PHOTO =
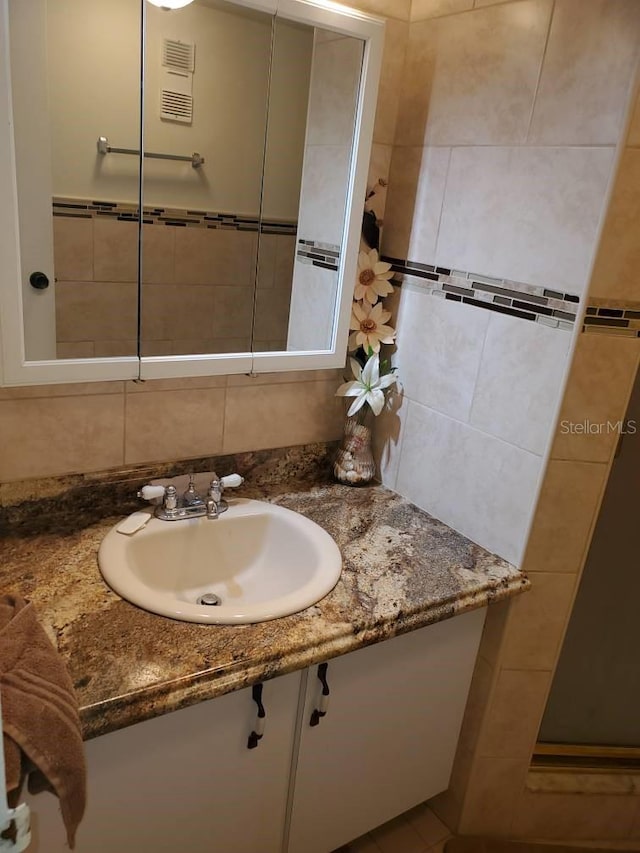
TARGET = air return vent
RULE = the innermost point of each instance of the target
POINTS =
(178, 55)
(176, 81)
(176, 106)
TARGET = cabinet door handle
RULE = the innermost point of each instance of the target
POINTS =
(258, 729)
(323, 704)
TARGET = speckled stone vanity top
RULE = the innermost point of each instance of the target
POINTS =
(402, 570)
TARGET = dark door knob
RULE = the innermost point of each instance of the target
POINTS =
(39, 280)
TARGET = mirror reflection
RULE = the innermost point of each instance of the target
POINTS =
(248, 125)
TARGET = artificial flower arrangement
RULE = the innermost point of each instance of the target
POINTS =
(372, 380)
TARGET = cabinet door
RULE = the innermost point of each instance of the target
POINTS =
(186, 781)
(389, 736)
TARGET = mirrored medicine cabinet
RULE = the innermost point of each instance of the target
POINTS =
(182, 189)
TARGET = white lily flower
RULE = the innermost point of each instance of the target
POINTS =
(368, 386)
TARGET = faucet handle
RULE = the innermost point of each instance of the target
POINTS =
(149, 493)
(231, 481)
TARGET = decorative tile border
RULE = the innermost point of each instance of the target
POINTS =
(319, 254)
(552, 308)
(622, 318)
(86, 209)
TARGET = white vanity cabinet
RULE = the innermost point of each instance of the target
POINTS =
(389, 736)
(187, 780)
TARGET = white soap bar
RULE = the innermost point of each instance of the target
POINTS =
(232, 481)
(136, 521)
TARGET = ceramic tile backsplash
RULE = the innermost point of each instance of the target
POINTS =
(395, 42)
(486, 494)
(536, 622)
(55, 435)
(92, 426)
(416, 191)
(509, 202)
(470, 79)
(588, 66)
(280, 415)
(616, 270)
(450, 340)
(568, 503)
(600, 382)
(512, 401)
(174, 424)
(421, 9)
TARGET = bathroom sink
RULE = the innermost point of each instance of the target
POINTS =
(257, 561)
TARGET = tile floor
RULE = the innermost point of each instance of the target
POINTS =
(415, 831)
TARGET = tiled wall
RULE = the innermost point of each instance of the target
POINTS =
(509, 118)
(77, 428)
(492, 791)
(335, 75)
(197, 281)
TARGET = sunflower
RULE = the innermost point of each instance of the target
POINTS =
(368, 327)
(373, 277)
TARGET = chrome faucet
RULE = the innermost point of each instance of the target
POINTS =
(191, 505)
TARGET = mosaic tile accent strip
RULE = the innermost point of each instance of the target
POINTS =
(622, 318)
(319, 254)
(553, 308)
(85, 209)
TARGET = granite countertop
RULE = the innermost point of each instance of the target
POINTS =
(402, 570)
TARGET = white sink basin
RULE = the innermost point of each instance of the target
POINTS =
(261, 560)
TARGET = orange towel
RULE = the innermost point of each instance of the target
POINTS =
(41, 727)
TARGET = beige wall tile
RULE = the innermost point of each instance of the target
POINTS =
(571, 817)
(449, 338)
(323, 193)
(602, 375)
(564, 189)
(215, 256)
(174, 424)
(115, 250)
(514, 713)
(272, 315)
(484, 676)
(615, 275)
(487, 495)
(177, 311)
(158, 253)
(280, 415)
(633, 139)
(390, 8)
(387, 439)
(422, 9)
(519, 378)
(398, 834)
(75, 389)
(537, 622)
(115, 349)
(428, 826)
(70, 434)
(395, 44)
(480, 3)
(567, 506)
(285, 258)
(90, 311)
(232, 312)
(583, 91)
(493, 632)
(183, 384)
(73, 248)
(285, 377)
(416, 192)
(267, 251)
(378, 179)
(494, 786)
(471, 78)
(334, 91)
(76, 349)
